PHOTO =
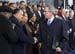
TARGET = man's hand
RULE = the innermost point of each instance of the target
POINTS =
(35, 40)
(13, 26)
(39, 45)
(58, 49)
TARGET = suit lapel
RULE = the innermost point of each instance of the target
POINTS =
(53, 22)
(73, 23)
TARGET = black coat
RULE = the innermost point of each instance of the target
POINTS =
(39, 18)
(20, 47)
(7, 36)
(37, 14)
(29, 12)
(53, 36)
(71, 23)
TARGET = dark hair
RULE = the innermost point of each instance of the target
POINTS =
(5, 2)
(22, 2)
(16, 10)
(5, 9)
(10, 4)
(38, 6)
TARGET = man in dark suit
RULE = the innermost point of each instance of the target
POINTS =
(20, 47)
(52, 34)
(38, 13)
(8, 36)
(29, 10)
(63, 13)
(71, 23)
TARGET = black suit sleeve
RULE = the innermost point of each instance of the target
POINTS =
(22, 37)
(7, 30)
(65, 37)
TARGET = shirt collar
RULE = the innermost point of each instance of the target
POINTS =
(63, 16)
(51, 19)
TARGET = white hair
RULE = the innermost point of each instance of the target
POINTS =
(52, 9)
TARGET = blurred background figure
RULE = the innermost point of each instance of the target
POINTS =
(71, 23)
(22, 5)
(67, 14)
(34, 25)
(1, 4)
(34, 7)
(12, 6)
(5, 3)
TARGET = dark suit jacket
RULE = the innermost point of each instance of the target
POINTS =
(37, 15)
(39, 18)
(71, 23)
(22, 38)
(8, 36)
(52, 36)
(29, 12)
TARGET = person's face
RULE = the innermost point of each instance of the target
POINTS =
(22, 5)
(47, 13)
(71, 13)
(44, 4)
(1, 4)
(35, 7)
(25, 18)
(14, 6)
(63, 11)
(40, 4)
(20, 15)
(39, 8)
(67, 14)
(34, 18)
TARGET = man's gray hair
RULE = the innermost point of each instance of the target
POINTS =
(71, 11)
(52, 9)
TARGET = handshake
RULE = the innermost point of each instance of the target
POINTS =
(36, 41)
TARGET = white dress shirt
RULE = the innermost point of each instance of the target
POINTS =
(50, 20)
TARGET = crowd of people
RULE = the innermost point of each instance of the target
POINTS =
(36, 29)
